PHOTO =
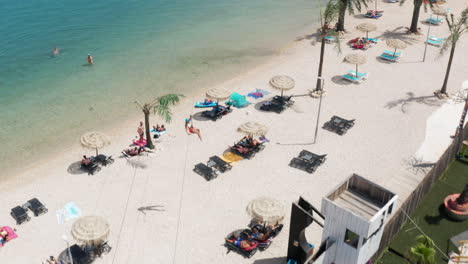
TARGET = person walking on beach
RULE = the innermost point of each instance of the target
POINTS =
(90, 59)
(141, 130)
(190, 129)
(56, 51)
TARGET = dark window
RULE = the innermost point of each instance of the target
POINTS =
(390, 208)
(351, 238)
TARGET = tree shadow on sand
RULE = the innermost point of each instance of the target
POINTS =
(418, 166)
(400, 33)
(411, 98)
(199, 117)
(75, 168)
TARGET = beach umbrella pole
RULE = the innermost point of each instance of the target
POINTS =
(427, 39)
(357, 74)
(394, 53)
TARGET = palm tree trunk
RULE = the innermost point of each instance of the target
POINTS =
(341, 15)
(415, 18)
(149, 142)
(449, 66)
(322, 55)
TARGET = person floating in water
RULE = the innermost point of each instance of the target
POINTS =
(90, 59)
(56, 51)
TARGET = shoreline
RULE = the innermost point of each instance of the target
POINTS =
(195, 94)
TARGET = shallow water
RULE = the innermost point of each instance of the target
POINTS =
(140, 48)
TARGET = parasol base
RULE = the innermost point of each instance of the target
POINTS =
(440, 95)
(318, 93)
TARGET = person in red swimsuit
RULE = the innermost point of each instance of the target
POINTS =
(191, 129)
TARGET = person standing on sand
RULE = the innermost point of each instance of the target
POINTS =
(141, 130)
(90, 59)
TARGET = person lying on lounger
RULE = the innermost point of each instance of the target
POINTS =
(251, 141)
(134, 151)
(261, 233)
(241, 243)
(86, 161)
(159, 128)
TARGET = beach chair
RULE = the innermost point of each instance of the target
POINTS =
(338, 125)
(372, 40)
(248, 253)
(219, 164)
(435, 41)
(237, 100)
(359, 74)
(36, 207)
(103, 159)
(393, 1)
(372, 14)
(389, 57)
(312, 157)
(92, 168)
(434, 21)
(20, 215)
(392, 53)
(79, 255)
(278, 104)
(217, 112)
(206, 104)
(244, 152)
(355, 79)
(205, 171)
(330, 39)
(304, 165)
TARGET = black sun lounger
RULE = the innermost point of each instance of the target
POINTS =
(311, 157)
(92, 168)
(338, 125)
(219, 164)
(244, 252)
(217, 112)
(205, 171)
(104, 160)
(79, 255)
(36, 207)
(304, 165)
(278, 104)
(20, 215)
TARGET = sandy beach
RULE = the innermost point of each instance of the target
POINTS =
(398, 122)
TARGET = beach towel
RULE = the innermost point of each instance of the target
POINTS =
(140, 142)
(158, 133)
(231, 158)
(258, 93)
(72, 211)
(11, 234)
(264, 139)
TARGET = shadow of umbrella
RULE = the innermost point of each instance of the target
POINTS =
(199, 117)
(338, 79)
(259, 104)
(75, 168)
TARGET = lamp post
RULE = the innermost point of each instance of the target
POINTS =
(65, 238)
(319, 107)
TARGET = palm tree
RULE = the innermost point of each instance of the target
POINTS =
(457, 29)
(330, 14)
(423, 252)
(350, 6)
(160, 106)
(415, 18)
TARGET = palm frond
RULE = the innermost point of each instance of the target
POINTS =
(162, 105)
(337, 45)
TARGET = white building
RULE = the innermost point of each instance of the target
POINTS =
(355, 215)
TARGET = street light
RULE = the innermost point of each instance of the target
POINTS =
(65, 238)
(319, 107)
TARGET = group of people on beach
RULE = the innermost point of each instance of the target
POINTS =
(90, 58)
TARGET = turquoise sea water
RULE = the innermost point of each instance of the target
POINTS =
(140, 47)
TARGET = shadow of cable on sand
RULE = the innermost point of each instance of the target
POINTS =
(429, 100)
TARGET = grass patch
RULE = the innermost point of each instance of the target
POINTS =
(430, 217)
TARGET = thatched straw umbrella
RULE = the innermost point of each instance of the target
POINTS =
(218, 93)
(366, 27)
(356, 59)
(94, 140)
(90, 230)
(396, 44)
(253, 129)
(282, 82)
(438, 11)
(266, 210)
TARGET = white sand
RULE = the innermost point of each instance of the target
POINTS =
(379, 147)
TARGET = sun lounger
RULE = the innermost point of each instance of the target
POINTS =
(217, 112)
(248, 253)
(79, 255)
(20, 215)
(219, 164)
(435, 41)
(434, 21)
(330, 39)
(91, 168)
(311, 157)
(393, 1)
(103, 159)
(206, 104)
(360, 74)
(372, 14)
(389, 57)
(278, 104)
(338, 125)
(355, 79)
(36, 207)
(392, 53)
(372, 40)
(301, 164)
(205, 171)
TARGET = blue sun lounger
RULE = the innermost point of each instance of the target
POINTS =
(434, 21)
(330, 39)
(389, 57)
(391, 53)
(435, 41)
(360, 74)
(355, 79)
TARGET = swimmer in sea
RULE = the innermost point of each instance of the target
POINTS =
(90, 59)
(56, 51)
